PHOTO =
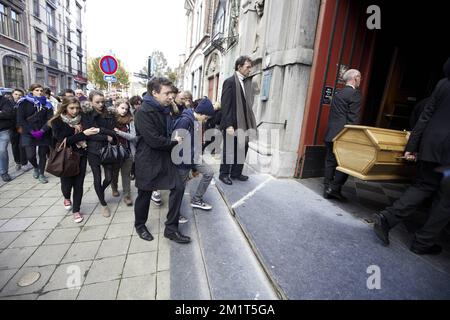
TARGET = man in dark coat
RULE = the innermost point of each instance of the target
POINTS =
(345, 109)
(6, 125)
(430, 144)
(237, 114)
(154, 167)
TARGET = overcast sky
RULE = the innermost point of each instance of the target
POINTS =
(132, 29)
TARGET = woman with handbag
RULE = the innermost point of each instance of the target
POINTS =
(95, 114)
(127, 138)
(67, 129)
(33, 112)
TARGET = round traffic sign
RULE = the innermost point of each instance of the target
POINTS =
(109, 65)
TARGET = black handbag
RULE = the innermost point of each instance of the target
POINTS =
(114, 153)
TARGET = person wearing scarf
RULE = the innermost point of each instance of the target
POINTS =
(33, 112)
(66, 124)
(154, 167)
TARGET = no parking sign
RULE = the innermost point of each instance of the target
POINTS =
(109, 65)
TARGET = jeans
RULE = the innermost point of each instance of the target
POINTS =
(19, 154)
(126, 177)
(4, 157)
(31, 156)
(207, 175)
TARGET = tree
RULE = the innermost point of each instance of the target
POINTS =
(160, 68)
(95, 75)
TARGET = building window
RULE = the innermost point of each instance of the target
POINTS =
(40, 76)
(36, 8)
(13, 73)
(68, 5)
(38, 42)
(51, 49)
(51, 17)
(80, 65)
(53, 82)
(79, 15)
(68, 30)
(79, 41)
(3, 20)
(69, 59)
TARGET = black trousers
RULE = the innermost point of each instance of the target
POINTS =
(230, 162)
(142, 206)
(427, 183)
(75, 183)
(20, 157)
(96, 164)
(333, 178)
(31, 156)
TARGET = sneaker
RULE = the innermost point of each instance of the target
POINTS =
(105, 212)
(182, 220)
(36, 173)
(201, 205)
(77, 217)
(67, 204)
(6, 177)
(43, 179)
(18, 166)
(156, 198)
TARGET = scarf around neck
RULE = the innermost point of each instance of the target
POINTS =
(72, 122)
(39, 102)
(164, 110)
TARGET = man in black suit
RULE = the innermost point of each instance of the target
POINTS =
(345, 109)
(154, 167)
(237, 118)
(430, 144)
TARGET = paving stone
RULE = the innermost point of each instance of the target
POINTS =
(30, 239)
(99, 291)
(6, 238)
(21, 297)
(34, 194)
(60, 236)
(163, 285)
(138, 288)
(8, 213)
(15, 258)
(2, 222)
(17, 224)
(68, 276)
(138, 245)
(91, 233)
(139, 264)
(12, 194)
(45, 223)
(45, 201)
(32, 212)
(67, 222)
(66, 294)
(48, 255)
(123, 217)
(13, 289)
(163, 260)
(97, 220)
(114, 247)
(119, 230)
(57, 210)
(5, 201)
(20, 202)
(5, 276)
(106, 269)
(82, 251)
(87, 208)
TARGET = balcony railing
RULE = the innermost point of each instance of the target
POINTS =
(53, 63)
(39, 58)
(79, 50)
(52, 31)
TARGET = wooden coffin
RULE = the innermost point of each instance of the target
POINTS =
(372, 154)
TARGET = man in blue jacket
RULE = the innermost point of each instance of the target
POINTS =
(189, 125)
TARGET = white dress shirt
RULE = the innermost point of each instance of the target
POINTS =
(241, 81)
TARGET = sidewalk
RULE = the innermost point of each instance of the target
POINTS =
(319, 249)
(109, 260)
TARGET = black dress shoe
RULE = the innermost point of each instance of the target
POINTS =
(144, 234)
(226, 180)
(333, 194)
(381, 228)
(434, 249)
(240, 178)
(177, 237)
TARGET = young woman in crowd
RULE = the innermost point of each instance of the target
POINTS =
(127, 137)
(33, 113)
(66, 124)
(97, 115)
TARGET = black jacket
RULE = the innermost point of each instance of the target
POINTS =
(228, 102)
(105, 122)
(431, 135)
(345, 109)
(7, 114)
(154, 167)
(30, 120)
(62, 130)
